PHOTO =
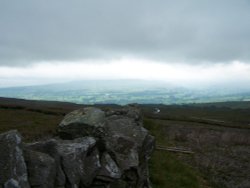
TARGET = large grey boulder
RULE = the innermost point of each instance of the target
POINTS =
(124, 144)
(131, 111)
(83, 122)
(120, 125)
(76, 163)
(125, 151)
(131, 144)
(50, 147)
(13, 171)
(41, 169)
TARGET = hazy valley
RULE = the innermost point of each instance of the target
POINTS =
(125, 92)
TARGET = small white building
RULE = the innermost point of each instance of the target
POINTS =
(157, 111)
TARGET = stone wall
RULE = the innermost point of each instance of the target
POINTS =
(94, 149)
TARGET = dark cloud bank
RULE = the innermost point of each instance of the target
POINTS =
(190, 31)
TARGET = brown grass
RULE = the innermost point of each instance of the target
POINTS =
(32, 125)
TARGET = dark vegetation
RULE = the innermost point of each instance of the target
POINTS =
(218, 136)
(217, 133)
(34, 119)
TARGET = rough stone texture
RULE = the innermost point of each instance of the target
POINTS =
(130, 111)
(50, 147)
(91, 166)
(11, 183)
(119, 125)
(109, 170)
(131, 144)
(74, 154)
(41, 169)
(124, 150)
(94, 149)
(83, 122)
(13, 171)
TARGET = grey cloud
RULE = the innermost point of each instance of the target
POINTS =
(191, 31)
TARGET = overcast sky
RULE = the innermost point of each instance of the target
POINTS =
(190, 40)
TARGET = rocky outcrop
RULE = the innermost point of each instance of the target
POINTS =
(95, 148)
(13, 170)
(41, 169)
(82, 122)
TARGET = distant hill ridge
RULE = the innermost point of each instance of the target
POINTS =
(125, 92)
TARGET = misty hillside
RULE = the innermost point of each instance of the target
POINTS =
(124, 92)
